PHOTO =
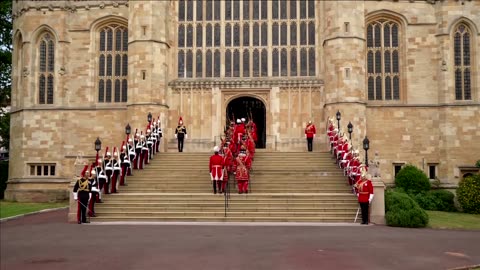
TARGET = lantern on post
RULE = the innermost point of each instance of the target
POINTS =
(128, 129)
(98, 145)
(149, 117)
(339, 116)
(366, 146)
(350, 130)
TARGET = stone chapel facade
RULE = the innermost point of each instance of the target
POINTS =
(405, 73)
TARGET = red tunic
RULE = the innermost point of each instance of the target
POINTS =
(364, 189)
(216, 167)
(310, 130)
(243, 163)
(228, 160)
(251, 147)
(239, 131)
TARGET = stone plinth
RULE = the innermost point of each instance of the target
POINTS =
(377, 208)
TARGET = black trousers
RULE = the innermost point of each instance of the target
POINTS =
(83, 199)
(214, 184)
(310, 144)
(364, 207)
(180, 144)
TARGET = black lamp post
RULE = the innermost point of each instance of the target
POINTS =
(98, 145)
(128, 129)
(339, 116)
(350, 129)
(366, 146)
(149, 117)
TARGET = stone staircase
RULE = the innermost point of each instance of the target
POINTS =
(285, 187)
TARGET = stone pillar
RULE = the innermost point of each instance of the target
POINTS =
(343, 39)
(73, 208)
(377, 208)
(148, 68)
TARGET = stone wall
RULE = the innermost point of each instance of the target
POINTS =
(427, 125)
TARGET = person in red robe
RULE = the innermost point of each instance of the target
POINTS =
(242, 173)
(216, 169)
(310, 132)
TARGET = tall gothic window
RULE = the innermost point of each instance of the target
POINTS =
(383, 63)
(249, 38)
(113, 64)
(463, 69)
(46, 77)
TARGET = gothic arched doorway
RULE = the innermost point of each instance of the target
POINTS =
(243, 107)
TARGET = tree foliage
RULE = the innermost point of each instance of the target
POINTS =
(5, 52)
(5, 70)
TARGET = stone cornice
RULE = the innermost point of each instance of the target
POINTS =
(21, 7)
(245, 83)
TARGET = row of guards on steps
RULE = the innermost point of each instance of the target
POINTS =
(106, 175)
(347, 158)
(234, 156)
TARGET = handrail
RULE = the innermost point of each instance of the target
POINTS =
(226, 194)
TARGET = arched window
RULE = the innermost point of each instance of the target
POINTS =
(228, 35)
(462, 64)
(246, 63)
(251, 35)
(113, 63)
(236, 63)
(216, 65)
(256, 63)
(275, 34)
(208, 64)
(46, 79)
(275, 63)
(199, 62)
(264, 70)
(189, 64)
(293, 62)
(228, 63)
(383, 64)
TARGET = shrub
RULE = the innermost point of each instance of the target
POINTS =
(403, 211)
(3, 177)
(477, 164)
(435, 200)
(468, 194)
(412, 180)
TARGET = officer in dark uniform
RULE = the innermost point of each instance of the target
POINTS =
(181, 134)
(81, 193)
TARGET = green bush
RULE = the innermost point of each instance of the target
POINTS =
(468, 194)
(477, 164)
(412, 180)
(402, 211)
(435, 200)
(3, 177)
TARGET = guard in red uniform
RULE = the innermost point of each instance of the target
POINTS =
(364, 190)
(216, 170)
(242, 173)
(310, 132)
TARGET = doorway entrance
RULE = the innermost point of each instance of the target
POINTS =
(243, 107)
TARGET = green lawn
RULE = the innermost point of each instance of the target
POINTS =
(447, 220)
(10, 209)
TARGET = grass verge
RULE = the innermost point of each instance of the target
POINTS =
(448, 220)
(10, 209)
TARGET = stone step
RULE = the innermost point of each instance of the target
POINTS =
(219, 199)
(256, 180)
(331, 219)
(252, 189)
(233, 205)
(232, 209)
(231, 213)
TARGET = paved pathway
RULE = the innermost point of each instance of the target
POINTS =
(46, 241)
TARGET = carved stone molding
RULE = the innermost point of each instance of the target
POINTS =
(62, 71)
(245, 83)
(25, 71)
(22, 7)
